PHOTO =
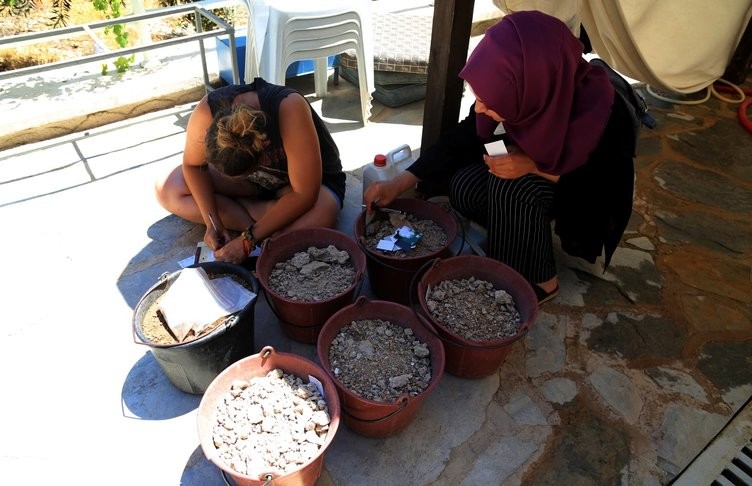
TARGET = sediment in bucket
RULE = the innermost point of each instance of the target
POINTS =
(191, 366)
(367, 417)
(468, 359)
(302, 321)
(390, 277)
(259, 365)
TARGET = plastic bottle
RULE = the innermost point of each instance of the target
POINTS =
(379, 170)
(400, 158)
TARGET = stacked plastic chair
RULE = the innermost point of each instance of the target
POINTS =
(297, 30)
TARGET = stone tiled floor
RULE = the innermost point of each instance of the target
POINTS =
(623, 378)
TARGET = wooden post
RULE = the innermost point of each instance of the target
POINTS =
(450, 38)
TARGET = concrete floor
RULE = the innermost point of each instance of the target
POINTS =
(623, 379)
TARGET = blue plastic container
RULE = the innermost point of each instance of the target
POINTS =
(224, 59)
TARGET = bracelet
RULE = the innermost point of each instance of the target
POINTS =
(248, 238)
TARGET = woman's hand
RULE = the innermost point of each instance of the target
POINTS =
(216, 239)
(232, 252)
(512, 165)
(384, 192)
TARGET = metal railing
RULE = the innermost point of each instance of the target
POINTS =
(198, 8)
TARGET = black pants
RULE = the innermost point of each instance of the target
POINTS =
(516, 214)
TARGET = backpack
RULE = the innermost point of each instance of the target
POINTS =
(636, 105)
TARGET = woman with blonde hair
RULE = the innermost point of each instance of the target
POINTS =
(258, 161)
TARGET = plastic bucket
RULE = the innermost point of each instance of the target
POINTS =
(367, 417)
(302, 321)
(391, 277)
(259, 365)
(192, 366)
(468, 359)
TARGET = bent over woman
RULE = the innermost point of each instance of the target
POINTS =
(258, 160)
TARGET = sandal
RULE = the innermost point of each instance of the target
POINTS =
(544, 296)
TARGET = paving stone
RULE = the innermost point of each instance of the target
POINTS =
(707, 314)
(642, 242)
(495, 464)
(722, 147)
(618, 391)
(677, 381)
(714, 275)
(524, 411)
(727, 364)
(435, 431)
(703, 187)
(737, 397)
(589, 451)
(638, 336)
(648, 147)
(559, 390)
(683, 434)
(546, 352)
(705, 230)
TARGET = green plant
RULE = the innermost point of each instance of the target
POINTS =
(122, 64)
(16, 7)
(111, 9)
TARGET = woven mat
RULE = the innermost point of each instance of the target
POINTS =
(401, 44)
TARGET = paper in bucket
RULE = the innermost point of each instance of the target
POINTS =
(194, 301)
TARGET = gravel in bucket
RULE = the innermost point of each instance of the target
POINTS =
(379, 360)
(314, 275)
(473, 309)
(434, 237)
(273, 422)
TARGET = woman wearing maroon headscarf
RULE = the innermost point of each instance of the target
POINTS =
(570, 142)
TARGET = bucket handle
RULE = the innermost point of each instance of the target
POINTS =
(268, 478)
(403, 399)
(418, 311)
(266, 353)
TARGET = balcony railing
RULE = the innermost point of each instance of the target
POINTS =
(200, 9)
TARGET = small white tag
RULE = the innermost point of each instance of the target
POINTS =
(500, 130)
(313, 380)
(496, 148)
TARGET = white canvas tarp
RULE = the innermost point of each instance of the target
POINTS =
(679, 45)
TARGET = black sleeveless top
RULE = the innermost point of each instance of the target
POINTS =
(272, 173)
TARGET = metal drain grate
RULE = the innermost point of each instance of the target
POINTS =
(739, 472)
(727, 459)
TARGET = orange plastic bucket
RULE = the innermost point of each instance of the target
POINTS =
(468, 359)
(302, 321)
(259, 365)
(367, 417)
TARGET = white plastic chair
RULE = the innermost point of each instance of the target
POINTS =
(296, 30)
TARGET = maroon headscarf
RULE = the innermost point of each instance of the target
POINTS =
(529, 69)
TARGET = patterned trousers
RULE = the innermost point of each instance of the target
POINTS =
(516, 214)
